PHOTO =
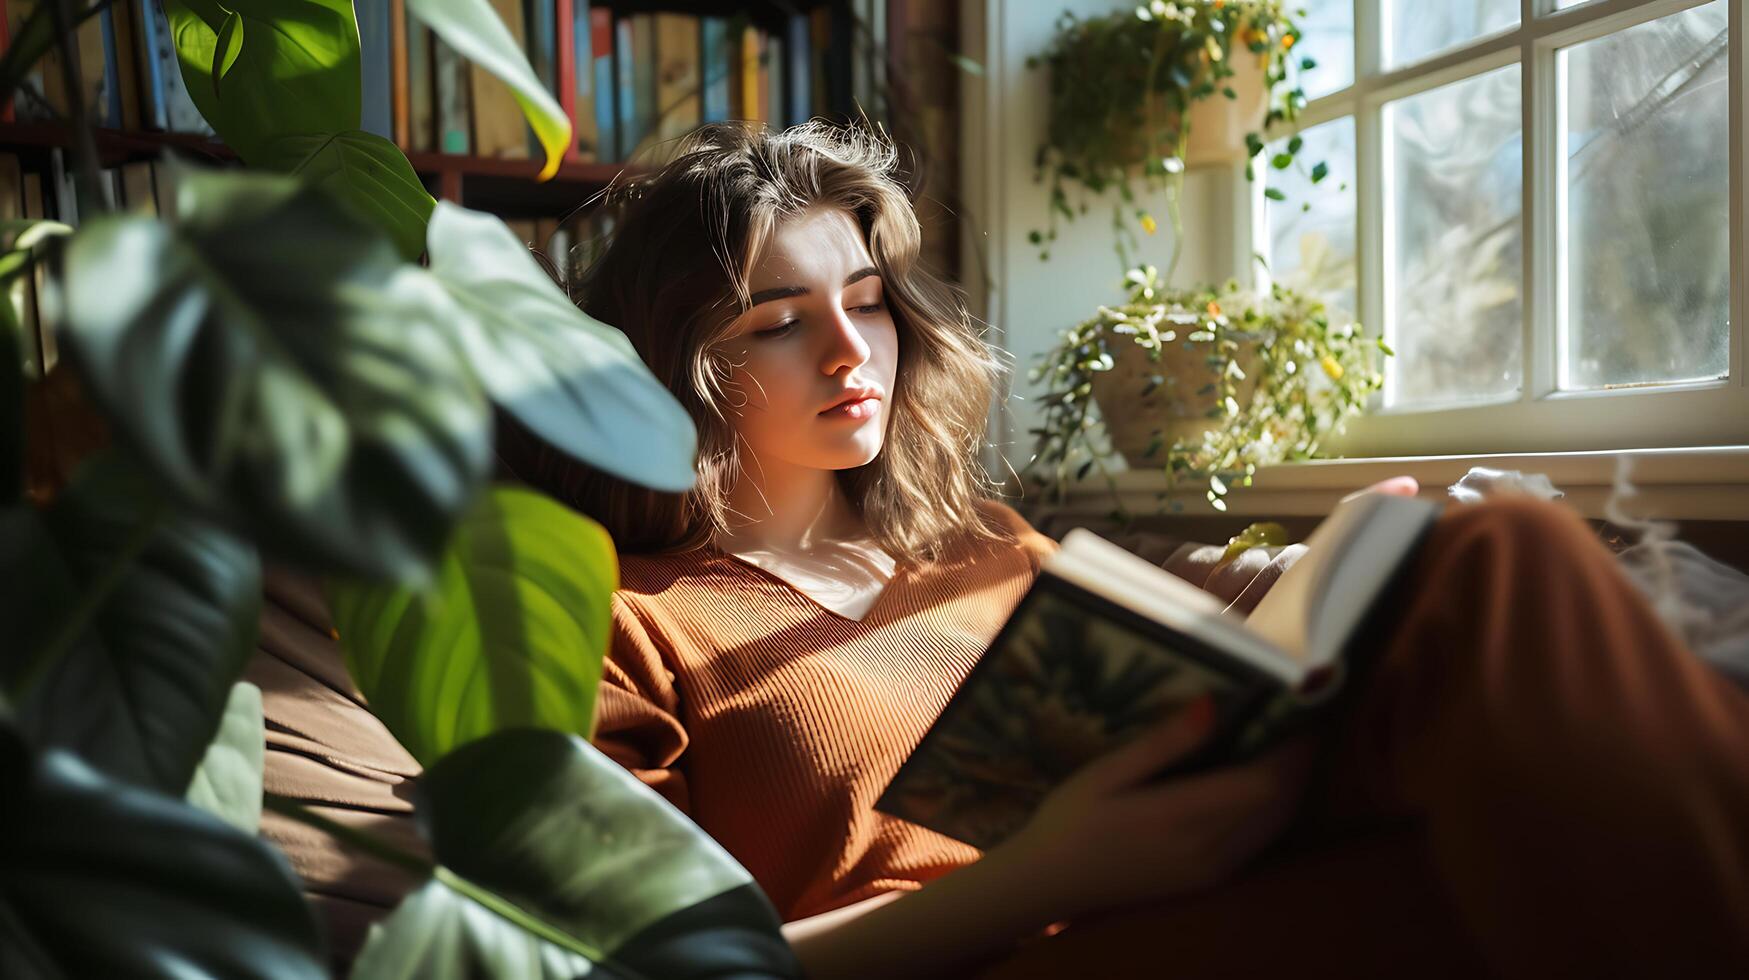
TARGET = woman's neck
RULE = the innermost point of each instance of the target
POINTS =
(793, 509)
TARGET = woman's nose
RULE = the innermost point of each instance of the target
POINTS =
(848, 349)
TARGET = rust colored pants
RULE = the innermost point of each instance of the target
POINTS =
(1534, 780)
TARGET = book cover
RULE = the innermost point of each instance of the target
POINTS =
(1069, 678)
(421, 89)
(798, 71)
(400, 97)
(601, 45)
(577, 73)
(374, 30)
(678, 57)
(624, 89)
(451, 86)
(499, 128)
(1106, 645)
(109, 101)
(541, 18)
(154, 114)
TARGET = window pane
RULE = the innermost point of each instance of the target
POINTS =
(1415, 29)
(1455, 272)
(1311, 233)
(1648, 228)
(1327, 37)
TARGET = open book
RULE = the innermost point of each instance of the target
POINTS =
(1106, 645)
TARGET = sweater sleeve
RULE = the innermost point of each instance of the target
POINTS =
(637, 710)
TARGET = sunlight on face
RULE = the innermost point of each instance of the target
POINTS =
(815, 355)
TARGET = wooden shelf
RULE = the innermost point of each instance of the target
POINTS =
(505, 187)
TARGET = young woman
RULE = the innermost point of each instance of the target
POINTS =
(1534, 779)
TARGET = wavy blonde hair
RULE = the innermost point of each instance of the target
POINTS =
(675, 276)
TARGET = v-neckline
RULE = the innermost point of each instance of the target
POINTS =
(880, 599)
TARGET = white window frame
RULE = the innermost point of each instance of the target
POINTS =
(1541, 418)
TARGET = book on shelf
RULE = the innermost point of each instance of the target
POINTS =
(452, 87)
(375, 54)
(678, 69)
(421, 88)
(1106, 645)
(601, 46)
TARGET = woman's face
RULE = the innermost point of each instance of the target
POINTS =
(815, 354)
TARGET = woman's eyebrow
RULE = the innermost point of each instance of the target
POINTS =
(785, 292)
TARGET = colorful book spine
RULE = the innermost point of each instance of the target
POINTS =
(714, 42)
(774, 79)
(751, 104)
(601, 47)
(819, 46)
(585, 131)
(541, 20)
(374, 61)
(450, 83)
(421, 90)
(798, 71)
(109, 112)
(643, 79)
(153, 109)
(678, 66)
(400, 99)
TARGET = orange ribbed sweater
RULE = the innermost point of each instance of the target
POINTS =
(775, 723)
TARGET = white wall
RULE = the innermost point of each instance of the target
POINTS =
(1026, 301)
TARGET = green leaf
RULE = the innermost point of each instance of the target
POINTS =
(289, 67)
(473, 29)
(318, 402)
(107, 880)
(227, 783)
(1274, 194)
(439, 933)
(572, 380)
(368, 174)
(1294, 144)
(1282, 161)
(141, 687)
(512, 634)
(1320, 171)
(226, 49)
(566, 834)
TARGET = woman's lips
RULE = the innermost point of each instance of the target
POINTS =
(861, 408)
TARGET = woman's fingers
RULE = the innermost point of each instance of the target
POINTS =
(1396, 486)
(1150, 752)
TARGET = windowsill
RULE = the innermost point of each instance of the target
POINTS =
(1697, 483)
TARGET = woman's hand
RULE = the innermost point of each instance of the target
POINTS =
(1112, 835)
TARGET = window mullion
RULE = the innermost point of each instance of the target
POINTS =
(1543, 252)
(1370, 179)
(1739, 163)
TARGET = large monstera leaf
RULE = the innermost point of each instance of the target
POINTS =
(543, 827)
(368, 174)
(102, 879)
(139, 690)
(512, 632)
(278, 365)
(262, 69)
(572, 380)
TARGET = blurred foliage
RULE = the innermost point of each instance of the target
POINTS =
(289, 383)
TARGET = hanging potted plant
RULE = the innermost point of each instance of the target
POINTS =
(1212, 384)
(1147, 93)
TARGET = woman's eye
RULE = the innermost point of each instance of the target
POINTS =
(871, 308)
(777, 331)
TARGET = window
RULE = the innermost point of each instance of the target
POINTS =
(1536, 202)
